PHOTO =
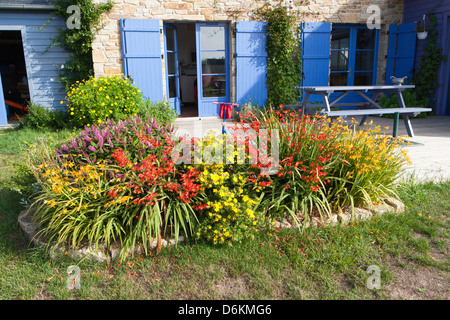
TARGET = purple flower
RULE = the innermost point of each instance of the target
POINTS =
(65, 148)
(74, 143)
(88, 139)
(110, 142)
(91, 148)
(100, 141)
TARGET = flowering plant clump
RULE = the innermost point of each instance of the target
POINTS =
(101, 142)
(226, 212)
(126, 181)
(97, 99)
(323, 165)
(130, 191)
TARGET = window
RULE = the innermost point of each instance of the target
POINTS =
(213, 66)
(354, 55)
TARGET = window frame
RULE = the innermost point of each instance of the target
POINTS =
(352, 50)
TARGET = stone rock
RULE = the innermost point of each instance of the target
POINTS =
(361, 214)
(30, 230)
(398, 206)
(283, 224)
(344, 218)
(331, 221)
(379, 209)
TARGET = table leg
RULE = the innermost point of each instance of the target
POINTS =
(326, 101)
(305, 103)
(396, 118)
(364, 118)
(406, 120)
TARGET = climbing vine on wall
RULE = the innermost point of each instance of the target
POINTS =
(426, 78)
(78, 36)
(284, 57)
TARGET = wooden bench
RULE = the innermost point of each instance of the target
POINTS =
(372, 112)
(369, 107)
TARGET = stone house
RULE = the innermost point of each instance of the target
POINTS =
(235, 48)
(197, 53)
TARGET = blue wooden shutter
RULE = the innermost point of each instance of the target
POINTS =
(251, 62)
(401, 51)
(316, 38)
(3, 117)
(141, 52)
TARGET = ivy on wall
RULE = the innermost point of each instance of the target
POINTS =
(426, 78)
(284, 56)
(78, 36)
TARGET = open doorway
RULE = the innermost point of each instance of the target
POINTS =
(181, 68)
(188, 69)
(14, 82)
(197, 67)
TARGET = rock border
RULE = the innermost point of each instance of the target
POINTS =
(102, 253)
(347, 216)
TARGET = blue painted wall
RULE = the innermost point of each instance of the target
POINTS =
(43, 63)
(413, 11)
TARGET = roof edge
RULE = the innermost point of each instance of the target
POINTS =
(28, 6)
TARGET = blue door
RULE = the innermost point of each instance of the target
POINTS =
(172, 69)
(251, 62)
(401, 51)
(3, 118)
(141, 52)
(213, 78)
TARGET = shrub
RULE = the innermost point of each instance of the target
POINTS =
(225, 206)
(40, 117)
(110, 96)
(160, 111)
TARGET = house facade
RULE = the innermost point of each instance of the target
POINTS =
(198, 53)
(195, 53)
(29, 67)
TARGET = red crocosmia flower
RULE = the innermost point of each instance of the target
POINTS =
(121, 158)
(315, 188)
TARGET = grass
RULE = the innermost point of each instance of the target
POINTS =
(322, 263)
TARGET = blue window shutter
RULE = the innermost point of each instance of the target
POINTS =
(251, 62)
(3, 117)
(141, 53)
(316, 38)
(401, 51)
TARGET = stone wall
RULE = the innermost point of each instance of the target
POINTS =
(107, 52)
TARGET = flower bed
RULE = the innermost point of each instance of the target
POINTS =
(129, 182)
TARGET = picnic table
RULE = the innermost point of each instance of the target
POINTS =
(366, 108)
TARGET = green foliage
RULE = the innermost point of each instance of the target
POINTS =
(40, 117)
(283, 55)
(411, 98)
(78, 42)
(110, 96)
(426, 79)
(161, 111)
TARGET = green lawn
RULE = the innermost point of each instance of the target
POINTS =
(411, 250)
